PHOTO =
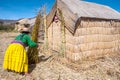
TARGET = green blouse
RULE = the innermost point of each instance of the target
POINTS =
(25, 38)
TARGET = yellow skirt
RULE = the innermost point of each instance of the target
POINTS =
(15, 58)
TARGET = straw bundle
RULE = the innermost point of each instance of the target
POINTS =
(97, 30)
(91, 53)
(46, 31)
(33, 52)
(62, 26)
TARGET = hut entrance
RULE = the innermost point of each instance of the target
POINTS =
(54, 36)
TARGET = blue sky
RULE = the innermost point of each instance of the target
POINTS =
(16, 9)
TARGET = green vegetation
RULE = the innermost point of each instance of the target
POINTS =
(7, 27)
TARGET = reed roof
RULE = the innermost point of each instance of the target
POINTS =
(73, 10)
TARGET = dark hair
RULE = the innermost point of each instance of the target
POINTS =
(17, 23)
(26, 32)
(27, 25)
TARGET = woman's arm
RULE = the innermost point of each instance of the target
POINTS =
(30, 42)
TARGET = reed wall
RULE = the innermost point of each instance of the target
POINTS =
(93, 39)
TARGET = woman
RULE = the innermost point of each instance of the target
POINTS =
(16, 58)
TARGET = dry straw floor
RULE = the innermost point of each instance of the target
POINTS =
(56, 68)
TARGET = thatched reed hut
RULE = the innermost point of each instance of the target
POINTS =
(83, 29)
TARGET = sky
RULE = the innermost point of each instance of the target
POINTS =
(16, 9)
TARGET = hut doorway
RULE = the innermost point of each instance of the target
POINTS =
(54, 38)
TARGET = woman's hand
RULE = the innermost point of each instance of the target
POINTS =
(38, 47)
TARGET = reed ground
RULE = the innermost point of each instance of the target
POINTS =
(56, 68)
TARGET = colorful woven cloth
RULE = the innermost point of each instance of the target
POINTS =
(15, 58)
